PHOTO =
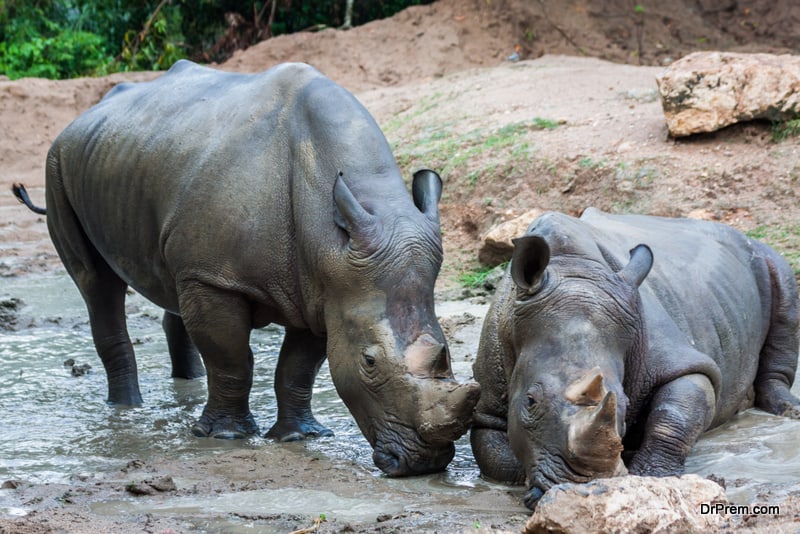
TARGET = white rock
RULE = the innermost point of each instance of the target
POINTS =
(630, 504)
(706, 91)
(496, 246)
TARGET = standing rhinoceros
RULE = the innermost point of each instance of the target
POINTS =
(236, 200)
(588, 352)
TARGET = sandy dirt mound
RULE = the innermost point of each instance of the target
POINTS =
(552, 131)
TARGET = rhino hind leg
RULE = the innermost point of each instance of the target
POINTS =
(679, 412)
(299, 361)
(103, 292)
(219, 323)
(777, 363)
(186, 361)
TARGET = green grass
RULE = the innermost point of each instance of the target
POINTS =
(475, 277)
(783, 238)
(785, 129)
(472, 155)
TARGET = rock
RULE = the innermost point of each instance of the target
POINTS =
(152, 486)
(706, 91)
(629, 504)
(496, 247)
(9, 307)
(80, 370)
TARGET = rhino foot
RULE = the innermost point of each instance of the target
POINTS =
(297, 430)
(225, 427)
(793, 412)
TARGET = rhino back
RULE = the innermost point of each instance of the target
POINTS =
(218, 176)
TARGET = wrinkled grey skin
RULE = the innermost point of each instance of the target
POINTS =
(234, 201)
(588, 349)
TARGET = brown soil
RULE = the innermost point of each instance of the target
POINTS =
(575, 122)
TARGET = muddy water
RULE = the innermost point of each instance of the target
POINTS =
(55, 426)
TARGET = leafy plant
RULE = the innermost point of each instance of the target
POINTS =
(782, 130)
(68, 38)
(545, 124)
(475, 277)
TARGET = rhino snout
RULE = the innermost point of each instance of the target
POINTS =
(532, 497)
(401, 461)
(445, 413)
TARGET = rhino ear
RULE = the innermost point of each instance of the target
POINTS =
(349, 214)
(529, 261)
(639, 265)
(426, 188)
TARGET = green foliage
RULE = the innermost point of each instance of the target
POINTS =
(783, 130)
(783, 238)
(68, 38)
(545, 124)
(475, 277)
(31, 44)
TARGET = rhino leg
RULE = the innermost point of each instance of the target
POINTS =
(493, 453)
(219, 323)
(301, 357)
(104, 294)
(679, 412)
(778, 360)
(186, 361)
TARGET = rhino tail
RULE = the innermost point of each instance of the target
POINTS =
(22, 195)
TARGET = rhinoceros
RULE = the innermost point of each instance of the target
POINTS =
(233, 201)
(614, 341)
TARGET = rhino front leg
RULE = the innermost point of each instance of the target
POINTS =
(219, 322)
(492, 451)
(679, 412)
(186, 361)
(301, 356)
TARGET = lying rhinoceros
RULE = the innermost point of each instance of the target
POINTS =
(587, 352)
(236, 200)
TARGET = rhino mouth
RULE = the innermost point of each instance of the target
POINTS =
(543, 477)
(405, 454)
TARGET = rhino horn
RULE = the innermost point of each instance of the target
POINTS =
(445, 410)
(588, 390)
(350, 215)
(595, 446)
(428, 358)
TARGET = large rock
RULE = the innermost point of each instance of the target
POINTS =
(706, 91)
(630, 504)
(496, 247)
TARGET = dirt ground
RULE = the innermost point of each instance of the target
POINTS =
(519, 105)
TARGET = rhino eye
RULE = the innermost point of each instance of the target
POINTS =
(534, 395)
(368, 357)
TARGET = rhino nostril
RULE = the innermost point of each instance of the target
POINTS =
(441, 365)
(387, 462)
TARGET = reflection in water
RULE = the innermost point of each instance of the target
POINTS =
(54, 425)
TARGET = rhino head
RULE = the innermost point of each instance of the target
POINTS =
(387, 353)
(576, 321)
